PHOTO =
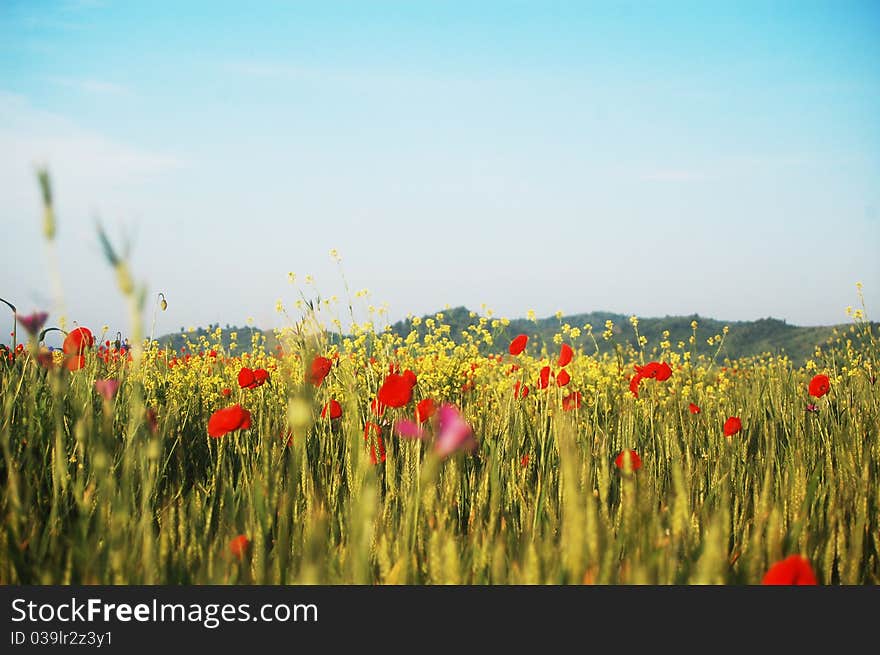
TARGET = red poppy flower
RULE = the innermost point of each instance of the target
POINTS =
(732, 426)
(565, 355)
(374, 457)
(562, 378)
(240, 546)
(228, 420)
(635, 461)
(693, 409)
(261, 375)
(518, 344)
(520, 391)
(395, 391)
(649, 370)
(371, 427)
(425, 409)
(572, 401)
(634, 384)
(664, 372)
(227, 392)
(524, 462)
(377, 408)
(320, 368)
(410, 377)
(544, 378)
(793, 570)
(381, 457)
(658, 370)
(819, 386)
(333, 408)
(247, 379)
(74, 363)
(77, 340)
(152, 420)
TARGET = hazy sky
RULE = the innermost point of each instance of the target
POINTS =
(648, 158)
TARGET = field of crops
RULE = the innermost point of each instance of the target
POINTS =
(379, 459)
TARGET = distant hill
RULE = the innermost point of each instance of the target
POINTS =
(244, 335)
(745, 337)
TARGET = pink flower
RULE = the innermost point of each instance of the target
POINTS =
(409, 429)
(33, 322)
(107, 388)
(454, 432)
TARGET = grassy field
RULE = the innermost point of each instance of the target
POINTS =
(126, 486)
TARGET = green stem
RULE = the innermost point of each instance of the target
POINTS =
(14, 322)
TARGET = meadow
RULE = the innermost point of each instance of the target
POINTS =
(377, 458)
(314, 481)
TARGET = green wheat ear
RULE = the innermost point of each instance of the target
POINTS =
(107, 247)
(48, 211)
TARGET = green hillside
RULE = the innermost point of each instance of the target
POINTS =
(745, 337)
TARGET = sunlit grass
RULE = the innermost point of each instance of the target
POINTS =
(91, 494)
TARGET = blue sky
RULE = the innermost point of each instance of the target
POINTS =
(648, 158)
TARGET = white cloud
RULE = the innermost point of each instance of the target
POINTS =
(675, 175)
(77, 5)
(268, 70)
(85, 159)
(272, 71)
(92, 86)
